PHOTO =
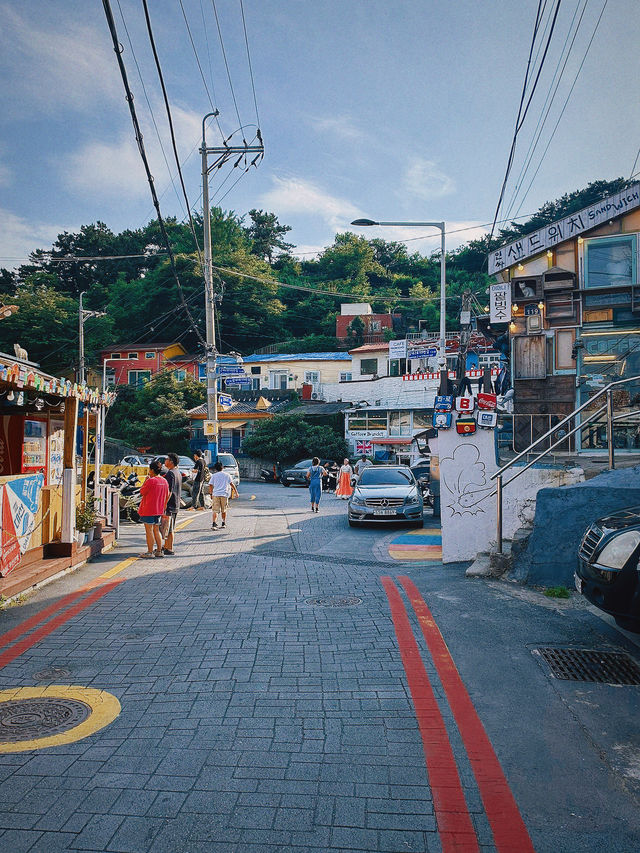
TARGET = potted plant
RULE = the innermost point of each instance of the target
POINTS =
(86, 519)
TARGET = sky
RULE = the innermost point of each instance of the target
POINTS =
(398, 111)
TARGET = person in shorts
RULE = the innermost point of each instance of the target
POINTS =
(197, 490)
(155, 493)
(220, 488)
(174, 480)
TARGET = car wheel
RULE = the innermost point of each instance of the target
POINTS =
(628, 624)
(286, 485)
(419, 523)
(352, 523)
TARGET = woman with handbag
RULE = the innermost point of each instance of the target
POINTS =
(155, 493)
(314, 476)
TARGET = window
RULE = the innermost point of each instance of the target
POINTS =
(256, 370)
(398, 366)
(565, 338)
(278, 380)
(115, 355)
(149, 355)
(368, 366)
(132, 355)
(180, 375)
(422, 420)
(488, 359)
(368, 421)
(255, 383)
(375, 326)
(139, 377)
(610, 261)
(346, 377)
(399, 423)
(312, 377)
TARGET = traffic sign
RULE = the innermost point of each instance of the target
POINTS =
(237, 381)
(230, 369)
(422, 353)
(225, 400)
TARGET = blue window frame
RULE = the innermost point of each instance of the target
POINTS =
(610, 261)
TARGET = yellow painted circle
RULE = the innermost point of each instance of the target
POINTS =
(104, 709)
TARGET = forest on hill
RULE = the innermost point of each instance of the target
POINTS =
(264, 294)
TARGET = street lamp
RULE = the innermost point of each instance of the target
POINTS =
(104, 371)
(442, 359)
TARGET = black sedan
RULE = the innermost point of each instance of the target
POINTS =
(607, 572)
(297, 474)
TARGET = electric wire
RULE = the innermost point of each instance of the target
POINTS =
(246, 41)
(226, 64)
(117, 47)
(195, 53)
(165, 96)
(564, 106)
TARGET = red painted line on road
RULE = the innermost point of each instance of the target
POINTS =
(452, 815)
(509, 832)
(46, 629)
(34, 620)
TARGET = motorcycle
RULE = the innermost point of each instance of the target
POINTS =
(271, 475)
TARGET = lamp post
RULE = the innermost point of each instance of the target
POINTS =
(104, 371)
(442, 358)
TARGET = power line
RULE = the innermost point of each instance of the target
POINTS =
(195, 53)
(246, 41)
(170, 120)
(226, 64)
(138, 134)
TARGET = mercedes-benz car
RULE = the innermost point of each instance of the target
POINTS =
(297, 474)
(608, 566)
(386, 493)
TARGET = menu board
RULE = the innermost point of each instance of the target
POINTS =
(56, 452)
(34, 445)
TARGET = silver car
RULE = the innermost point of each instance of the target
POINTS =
(386, 494)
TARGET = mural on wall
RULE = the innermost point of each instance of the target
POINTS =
(465, 478)
(19, 501)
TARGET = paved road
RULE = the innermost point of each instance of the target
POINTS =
(253, 720)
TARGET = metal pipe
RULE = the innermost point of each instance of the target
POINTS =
(499, 514)
(612, 461)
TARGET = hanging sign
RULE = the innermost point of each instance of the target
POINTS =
(225, 401)
(19, 500)
(210, 428)
(487, 420)
(364, 448)
(398, 349)
(443, 403)
(500, 303)
(442, 420)
(487, 401)
(466, 425)
(429, 352)
(465, 404)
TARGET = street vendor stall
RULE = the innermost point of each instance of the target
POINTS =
(39, 487)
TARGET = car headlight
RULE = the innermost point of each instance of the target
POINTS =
(357, 500)
(413, 499)
(617, 552)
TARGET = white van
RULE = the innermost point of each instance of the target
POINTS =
(230, 465)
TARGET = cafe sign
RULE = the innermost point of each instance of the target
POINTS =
(564, 229)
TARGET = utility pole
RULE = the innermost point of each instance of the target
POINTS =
(220, 155)
(82, 316)
(465, 336)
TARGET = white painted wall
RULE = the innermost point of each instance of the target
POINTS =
(392, 391)
(468, 510)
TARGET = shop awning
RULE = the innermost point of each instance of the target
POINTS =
(390, 440)
(231, 424)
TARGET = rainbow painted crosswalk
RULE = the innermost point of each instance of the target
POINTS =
(424, 546)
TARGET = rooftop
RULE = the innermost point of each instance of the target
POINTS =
(299, 356)
(370, 348)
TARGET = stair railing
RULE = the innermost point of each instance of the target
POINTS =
(606, 408)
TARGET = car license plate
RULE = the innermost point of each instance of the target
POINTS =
(578, 582)
(384, 512)
(291, 479)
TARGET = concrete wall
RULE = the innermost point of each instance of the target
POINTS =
(392, 391)
(561, 518)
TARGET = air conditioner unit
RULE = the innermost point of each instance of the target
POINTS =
(315, 395)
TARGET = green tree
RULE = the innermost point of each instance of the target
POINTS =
(288, 438)
(355, 332)
(266, 235)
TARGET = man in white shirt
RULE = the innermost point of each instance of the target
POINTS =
(220, 487)
(361, 464)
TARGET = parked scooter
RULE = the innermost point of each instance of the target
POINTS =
(271, 475)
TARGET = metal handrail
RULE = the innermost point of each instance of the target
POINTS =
(608, 408)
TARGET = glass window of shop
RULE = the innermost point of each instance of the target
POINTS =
(422, 419)
(397, 366)
(606, 357)
(368, 421)
(610, 261)
(400, 423)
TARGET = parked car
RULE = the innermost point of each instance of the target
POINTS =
(230, 465)
(607, 573)
(297, 474)
(141, 459)
(389, 493)
(185, 465)
(422, 472)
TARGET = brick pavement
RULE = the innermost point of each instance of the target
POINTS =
(251, 721)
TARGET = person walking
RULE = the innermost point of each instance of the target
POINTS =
(155, 493)
(361, 464)
(220, 489)
(174, 481)
(314, 476)
(344, 489)
(197, 490)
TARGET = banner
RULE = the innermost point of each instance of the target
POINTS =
(20, 500)
(500, 303)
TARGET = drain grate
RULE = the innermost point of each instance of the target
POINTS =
(26, 719)
(334, 601)
(51, 673)
(602, 667)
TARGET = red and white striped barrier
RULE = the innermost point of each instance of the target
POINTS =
(470, 374)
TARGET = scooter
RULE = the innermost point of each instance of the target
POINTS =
(271, 475)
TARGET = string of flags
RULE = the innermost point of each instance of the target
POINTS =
(470, 374)
(23, 377)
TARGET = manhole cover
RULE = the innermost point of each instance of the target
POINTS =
(51, 673)
(334, 601)
(591, 665)
(26, 719)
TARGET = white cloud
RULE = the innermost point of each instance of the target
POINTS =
(19, 237)
(115, 169)
(297, 196)
(423, 179)
(67, 64)
(340, 126)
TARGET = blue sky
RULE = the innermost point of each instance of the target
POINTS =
(389, 110)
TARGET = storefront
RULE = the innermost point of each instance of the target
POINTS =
(40, 473)
(385, 434)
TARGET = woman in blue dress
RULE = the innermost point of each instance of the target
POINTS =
(314, 476)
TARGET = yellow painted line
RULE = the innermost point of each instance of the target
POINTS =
(104, 709)
(184, 523)
(119, 568)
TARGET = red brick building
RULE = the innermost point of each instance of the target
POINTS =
(133, 364)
